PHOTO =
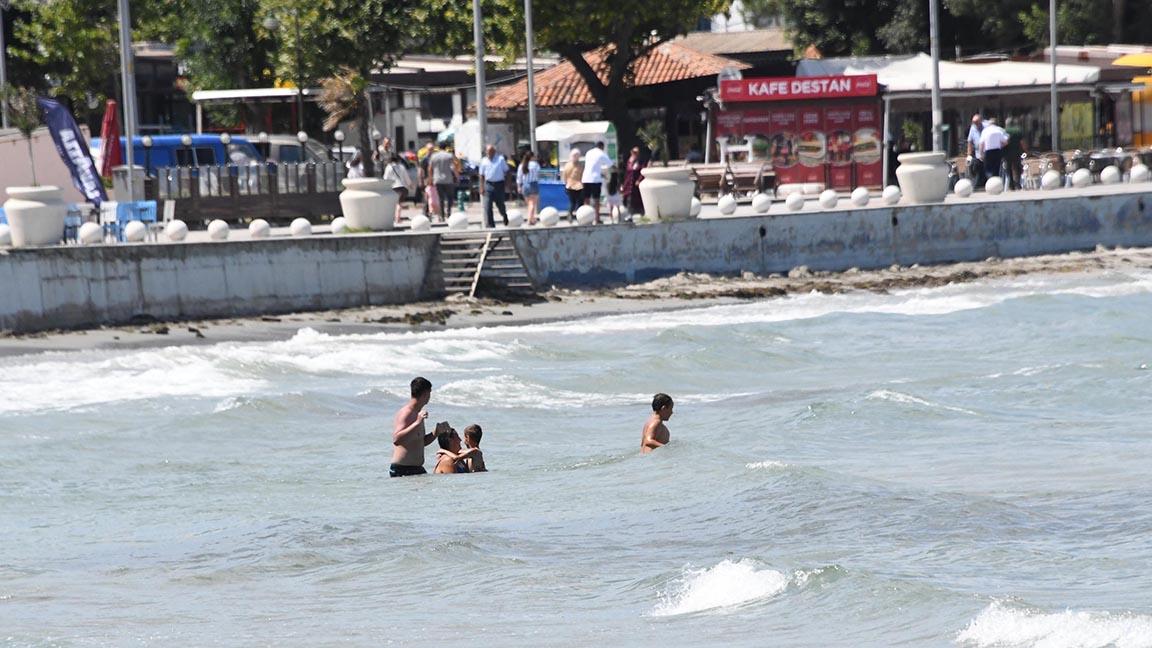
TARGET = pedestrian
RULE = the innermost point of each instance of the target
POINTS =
(571, 175)
(493, 175)
(528, 183)
(630, 188)
(992, 142)
(975, 155)
(596, 161)
(397, 174)
(442, 179)
(355, 166)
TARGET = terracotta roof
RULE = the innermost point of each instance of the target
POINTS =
(561, 86)
(738, 42)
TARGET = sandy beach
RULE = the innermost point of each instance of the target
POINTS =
(684, 290)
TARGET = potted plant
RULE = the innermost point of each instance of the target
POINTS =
(666, 191)
(35, 213)
(368, 203)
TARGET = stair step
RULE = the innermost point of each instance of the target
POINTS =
(458, 262)
(503, 257)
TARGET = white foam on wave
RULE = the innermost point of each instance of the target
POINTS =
(1002, 626)
(725, 585)
(504, 391)
(766, 465)
(908, 399)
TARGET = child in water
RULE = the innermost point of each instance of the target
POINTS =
(450, 458)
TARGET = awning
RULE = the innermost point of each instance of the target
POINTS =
(257, 94)
(1134, 60)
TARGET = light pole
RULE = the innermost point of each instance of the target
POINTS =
(478, 41)
(1052, 51)
(146, 141)
(339, 135)
(530, 39)
(128, 82)
(186, 140)
(4, 4)
(937, 112)
(271, 23)
(302, 137)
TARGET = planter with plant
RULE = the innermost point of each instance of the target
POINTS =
(35, 214)
(667, 191)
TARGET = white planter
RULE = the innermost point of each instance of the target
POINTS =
(368, 204)
(923, 176)
(35, 215)
(667, 192)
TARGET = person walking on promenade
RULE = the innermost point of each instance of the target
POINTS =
(443, 179)
(571, 175)
(992, 142)
(528, 183)
(630, 188)
(493, 172)
(655, 432)
(408, 435)
(975, 155)
(596, 161)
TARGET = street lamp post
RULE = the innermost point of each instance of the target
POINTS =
(186, 140)
(1052, 55)
(128, 83)
(302, 137)
(937, 112)
(478, 42)
(530, 42)
(339, 135)
(4, 4)
(146, 141)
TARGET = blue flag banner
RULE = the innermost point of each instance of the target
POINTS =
(73, 149)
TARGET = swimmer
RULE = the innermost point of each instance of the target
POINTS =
(655, 432)
(475, 460)
(408, 435)
(448, 460)
(471, 458)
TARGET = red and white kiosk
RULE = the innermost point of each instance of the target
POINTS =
(812, 129)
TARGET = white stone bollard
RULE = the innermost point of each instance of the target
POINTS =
(259, 229)
(340, 225)
(727, 204)
(585, 215)
(515, 218)
(218, 230)
(963, 188)
(860, 196)
(891, 195)
(1139, 173)
(90, 234)
(1051, 180)
(694, 210)
(549, 217)
(135, 231)
(419, 223)
(300, 228)
(828, 199)
(761, 203)
(994, 186)
(177, 230)
(6, 234)
(1081, 178)
(458, 222)
(1110, 174)
(794, 201)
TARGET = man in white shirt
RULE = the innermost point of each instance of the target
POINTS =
(992, 141)
(975, 157)
(493, 169)
(595, 162)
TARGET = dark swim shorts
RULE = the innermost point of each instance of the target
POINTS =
(398, 470)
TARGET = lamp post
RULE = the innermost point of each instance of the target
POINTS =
(530, 42)
(1052, 52)
(4, 4)
(271, 23)
(302, 137)
(128, 83)
(937, 112)
(146, 141)
(478, 42)
(339, 135)
(186, 140)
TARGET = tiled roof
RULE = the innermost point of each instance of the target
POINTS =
(737, 42)
(561, 86)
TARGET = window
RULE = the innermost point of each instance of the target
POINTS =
(205, 156)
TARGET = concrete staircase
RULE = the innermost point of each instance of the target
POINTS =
(471, 260)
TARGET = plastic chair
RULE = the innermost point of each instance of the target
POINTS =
(73, 220)
(3, 217)
(115, 215)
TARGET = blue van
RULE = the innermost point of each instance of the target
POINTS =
(168, 151)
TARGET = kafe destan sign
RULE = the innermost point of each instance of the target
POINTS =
(798, 88)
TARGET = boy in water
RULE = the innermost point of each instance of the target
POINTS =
(655, 432)
(450, 459)
(475, 460)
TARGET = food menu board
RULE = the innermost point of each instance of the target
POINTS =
(838, 144)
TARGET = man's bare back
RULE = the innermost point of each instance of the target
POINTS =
(408, 449)
(655, 432)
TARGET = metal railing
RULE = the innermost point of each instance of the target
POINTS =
(176, 183)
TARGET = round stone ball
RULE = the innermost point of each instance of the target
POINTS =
(300, 227)
(135, 231)
(727, 204)
(1081, 178)
(694, 210)
(339, 225)
(994, 186)
(891, 195)
(549, 217)
(860, 196)
(177, 230)
(1051, 180)
(963, 188)
(419, 223)
(90, 234)
(585, 215)
(828, 198)
(218, 230)
(794, 201)
(1110, 174)
(1139, 173)
(259, 229)
(515, 218)
(761, 203)
(458, 222)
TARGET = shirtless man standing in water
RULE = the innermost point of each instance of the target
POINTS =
(655, 432)
(408, 436)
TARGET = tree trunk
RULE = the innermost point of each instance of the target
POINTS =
(1118, 9)
(364, 122)
(32, 159)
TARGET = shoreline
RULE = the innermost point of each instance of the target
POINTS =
(678, 292)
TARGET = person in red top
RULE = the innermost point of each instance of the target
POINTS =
(630, 188)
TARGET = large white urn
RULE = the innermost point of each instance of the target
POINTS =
(923, 176)
(368, 204)
(667, 192)
(35, 215)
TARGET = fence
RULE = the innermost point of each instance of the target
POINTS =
(277, 193)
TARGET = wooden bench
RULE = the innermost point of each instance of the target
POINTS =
(737, 178)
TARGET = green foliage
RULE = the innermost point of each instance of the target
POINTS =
(655, 137)
(344, 97)
(219, 42)
(23, 114)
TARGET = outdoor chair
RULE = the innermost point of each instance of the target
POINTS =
(3, 217)
(115, 215)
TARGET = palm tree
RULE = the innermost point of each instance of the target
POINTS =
(24, 115)
(344, 96)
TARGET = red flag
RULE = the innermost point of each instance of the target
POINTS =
(110, 152)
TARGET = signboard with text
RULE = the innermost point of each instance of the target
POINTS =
(798, 88)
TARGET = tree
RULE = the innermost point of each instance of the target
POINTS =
(344, 97)
(24, 115)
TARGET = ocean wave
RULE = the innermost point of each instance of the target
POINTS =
(1000, 625)
(505, 391)
(726, 585)
(766, 465)
(908, 399)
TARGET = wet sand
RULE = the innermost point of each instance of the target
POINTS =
(685, 290)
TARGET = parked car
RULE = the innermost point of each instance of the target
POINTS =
(286, 149)
(169, 151)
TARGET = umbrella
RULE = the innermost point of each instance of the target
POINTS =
(1135, 60)
(110, 152)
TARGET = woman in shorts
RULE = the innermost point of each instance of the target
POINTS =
(528, 183)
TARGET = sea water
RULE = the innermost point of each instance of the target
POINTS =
(966, 465)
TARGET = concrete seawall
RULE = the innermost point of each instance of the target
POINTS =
(865, 238)
(66, 287)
